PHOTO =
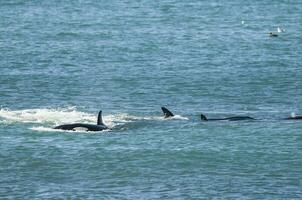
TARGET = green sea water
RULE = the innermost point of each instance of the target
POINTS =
(63, 61)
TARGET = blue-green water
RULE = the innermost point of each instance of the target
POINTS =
(63, 61)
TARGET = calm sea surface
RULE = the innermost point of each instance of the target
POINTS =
(63, 61)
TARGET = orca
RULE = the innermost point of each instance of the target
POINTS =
(294, 118)
(271, 34)
(235, 118)
(167, 113)
(100, 126)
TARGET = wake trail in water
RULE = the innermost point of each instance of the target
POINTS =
(47, 118)
(44, 115)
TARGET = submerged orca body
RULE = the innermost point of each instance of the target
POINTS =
(100, 126)
(294, 118)
(167, 113)
(235, 118)
(81, 127)
(271, 34)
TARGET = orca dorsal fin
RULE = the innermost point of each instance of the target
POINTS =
(100, 119)
(167, 112)
(203, 117)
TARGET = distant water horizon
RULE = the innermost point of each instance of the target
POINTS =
(63, 61)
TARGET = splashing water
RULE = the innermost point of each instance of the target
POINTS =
(53, 116)
(280, 30)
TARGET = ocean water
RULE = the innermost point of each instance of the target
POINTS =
(63, 61)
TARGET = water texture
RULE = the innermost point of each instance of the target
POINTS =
(63, 61)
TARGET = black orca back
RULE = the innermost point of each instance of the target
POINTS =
(294, 118)
(167, 112)
(85, 127)
(82, 127)
(203, 117)
(237, 118)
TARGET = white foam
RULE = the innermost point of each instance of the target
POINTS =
(43, 129)
(54, 116)
(179, 117)
(280, 30)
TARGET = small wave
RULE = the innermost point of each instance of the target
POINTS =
(67, 34)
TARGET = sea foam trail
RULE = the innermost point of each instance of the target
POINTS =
(49, 117)
(179, 117)
(44, 115)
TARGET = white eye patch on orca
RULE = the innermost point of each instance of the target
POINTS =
(80, 129)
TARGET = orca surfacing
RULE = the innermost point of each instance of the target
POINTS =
(100, 126)
(294, 118)
(235, 118)
(167, 113)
